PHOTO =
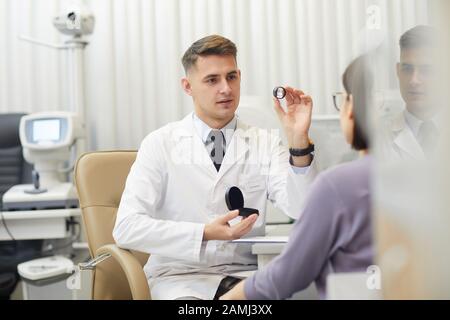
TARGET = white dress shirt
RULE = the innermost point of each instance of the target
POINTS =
(203, 131)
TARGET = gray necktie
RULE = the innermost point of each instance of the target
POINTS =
(218, 150)
(428, 136)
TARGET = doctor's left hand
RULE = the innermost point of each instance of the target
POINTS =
(220, 229)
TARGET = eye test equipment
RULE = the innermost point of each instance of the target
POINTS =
(279, 92)
(53, 140)
(48, 141)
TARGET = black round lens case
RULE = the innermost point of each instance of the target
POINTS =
(235, 201)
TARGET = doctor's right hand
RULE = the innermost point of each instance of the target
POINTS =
(296, 120)
(220, 229)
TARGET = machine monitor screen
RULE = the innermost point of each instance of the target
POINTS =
(46, 130)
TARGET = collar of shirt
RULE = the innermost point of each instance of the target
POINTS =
(203, 129)
(414, 123)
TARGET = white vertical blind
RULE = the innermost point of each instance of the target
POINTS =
(132, 64)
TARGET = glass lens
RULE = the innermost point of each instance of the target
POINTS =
(279, 92)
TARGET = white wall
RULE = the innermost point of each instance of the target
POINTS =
(132, 64)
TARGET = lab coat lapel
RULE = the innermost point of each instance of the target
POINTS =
(405, 139)
(189, 148)
(237, 148)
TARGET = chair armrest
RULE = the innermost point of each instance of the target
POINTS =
(132, 269)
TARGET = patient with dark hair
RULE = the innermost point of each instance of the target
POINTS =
(333, 234)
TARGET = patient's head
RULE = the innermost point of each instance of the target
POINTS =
(358, 83)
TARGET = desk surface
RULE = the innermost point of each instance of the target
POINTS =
(36, 224)
(272, 248)
(41, 214)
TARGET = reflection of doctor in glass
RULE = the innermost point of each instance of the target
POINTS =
(415, 72)
(414, 132)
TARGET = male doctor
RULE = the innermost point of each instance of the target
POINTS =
(413, 134)
(173, 205)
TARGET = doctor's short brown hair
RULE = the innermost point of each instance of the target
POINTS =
(210, 45)
(418, 37)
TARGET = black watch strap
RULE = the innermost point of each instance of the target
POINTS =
(301, 152)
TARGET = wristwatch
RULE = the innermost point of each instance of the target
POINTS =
(302, 152)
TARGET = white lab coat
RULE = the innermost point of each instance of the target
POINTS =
(173, 190)
(398, 141)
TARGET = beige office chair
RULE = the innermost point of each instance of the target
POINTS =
(100, 179)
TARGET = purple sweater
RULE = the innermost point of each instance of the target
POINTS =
(333, 235)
